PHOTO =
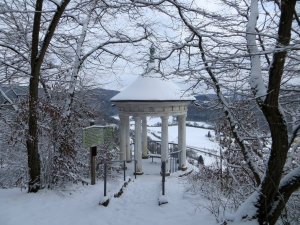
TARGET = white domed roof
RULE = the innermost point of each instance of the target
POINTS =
(151, 88)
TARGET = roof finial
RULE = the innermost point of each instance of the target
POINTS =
(152, 51)
(151, 63)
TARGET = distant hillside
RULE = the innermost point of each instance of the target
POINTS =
(98, 100)
(203, 109)
(195, 113)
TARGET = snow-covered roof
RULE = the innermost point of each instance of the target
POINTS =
(151, 88)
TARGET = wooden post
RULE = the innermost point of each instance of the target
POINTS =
(124, 170)
(163, 165)
(135, 169)
(221, 175)
(93, 165)
(105, 176)
(93, 153)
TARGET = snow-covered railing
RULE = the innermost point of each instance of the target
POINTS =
(172, 145)
(208, 151)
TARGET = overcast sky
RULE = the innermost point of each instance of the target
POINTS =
(126, 74)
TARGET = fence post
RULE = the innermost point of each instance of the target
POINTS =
(93, 165)
(179, 158)
(135, 169)
(93, 153)
(105, 171)
(163, 165)
(124, 169)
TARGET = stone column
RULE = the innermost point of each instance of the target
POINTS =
(127, 138)
(164, 143)
(182, 141)
(122, 137)
(138, 146)
(144, 138)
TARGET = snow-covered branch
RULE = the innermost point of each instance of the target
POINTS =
(256, 80)
(16, 68)
(115, 41)
(290, 182)
(233, 122)
(76, 65)
(14, 50)
(295, 127)
(55, 19)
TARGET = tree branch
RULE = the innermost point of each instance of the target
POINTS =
(51, 29)
(230, 117)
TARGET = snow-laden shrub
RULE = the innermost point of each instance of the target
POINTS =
(226, 187)
(223, 192)
(13, 157)
(107, 152)
(63, 159)
(291, 215)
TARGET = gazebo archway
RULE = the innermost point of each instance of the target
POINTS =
(150, 95)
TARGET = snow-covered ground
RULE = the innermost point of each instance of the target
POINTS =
(138, 204)
(79, 205)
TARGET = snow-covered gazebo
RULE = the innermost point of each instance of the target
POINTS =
(150, 95)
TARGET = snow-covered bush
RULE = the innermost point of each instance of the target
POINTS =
(107, 152)
(13, 157)
(63, 159)
(223, 192)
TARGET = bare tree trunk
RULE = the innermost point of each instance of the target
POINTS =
(32, 140)
(37, 58)
(276, 120)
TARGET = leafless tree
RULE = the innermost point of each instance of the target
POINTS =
(249, 51)
(66, 41)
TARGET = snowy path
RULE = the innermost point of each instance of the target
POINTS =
(138, 205)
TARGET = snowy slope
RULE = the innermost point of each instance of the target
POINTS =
(138, 204)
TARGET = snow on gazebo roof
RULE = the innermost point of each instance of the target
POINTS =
(151, 88)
